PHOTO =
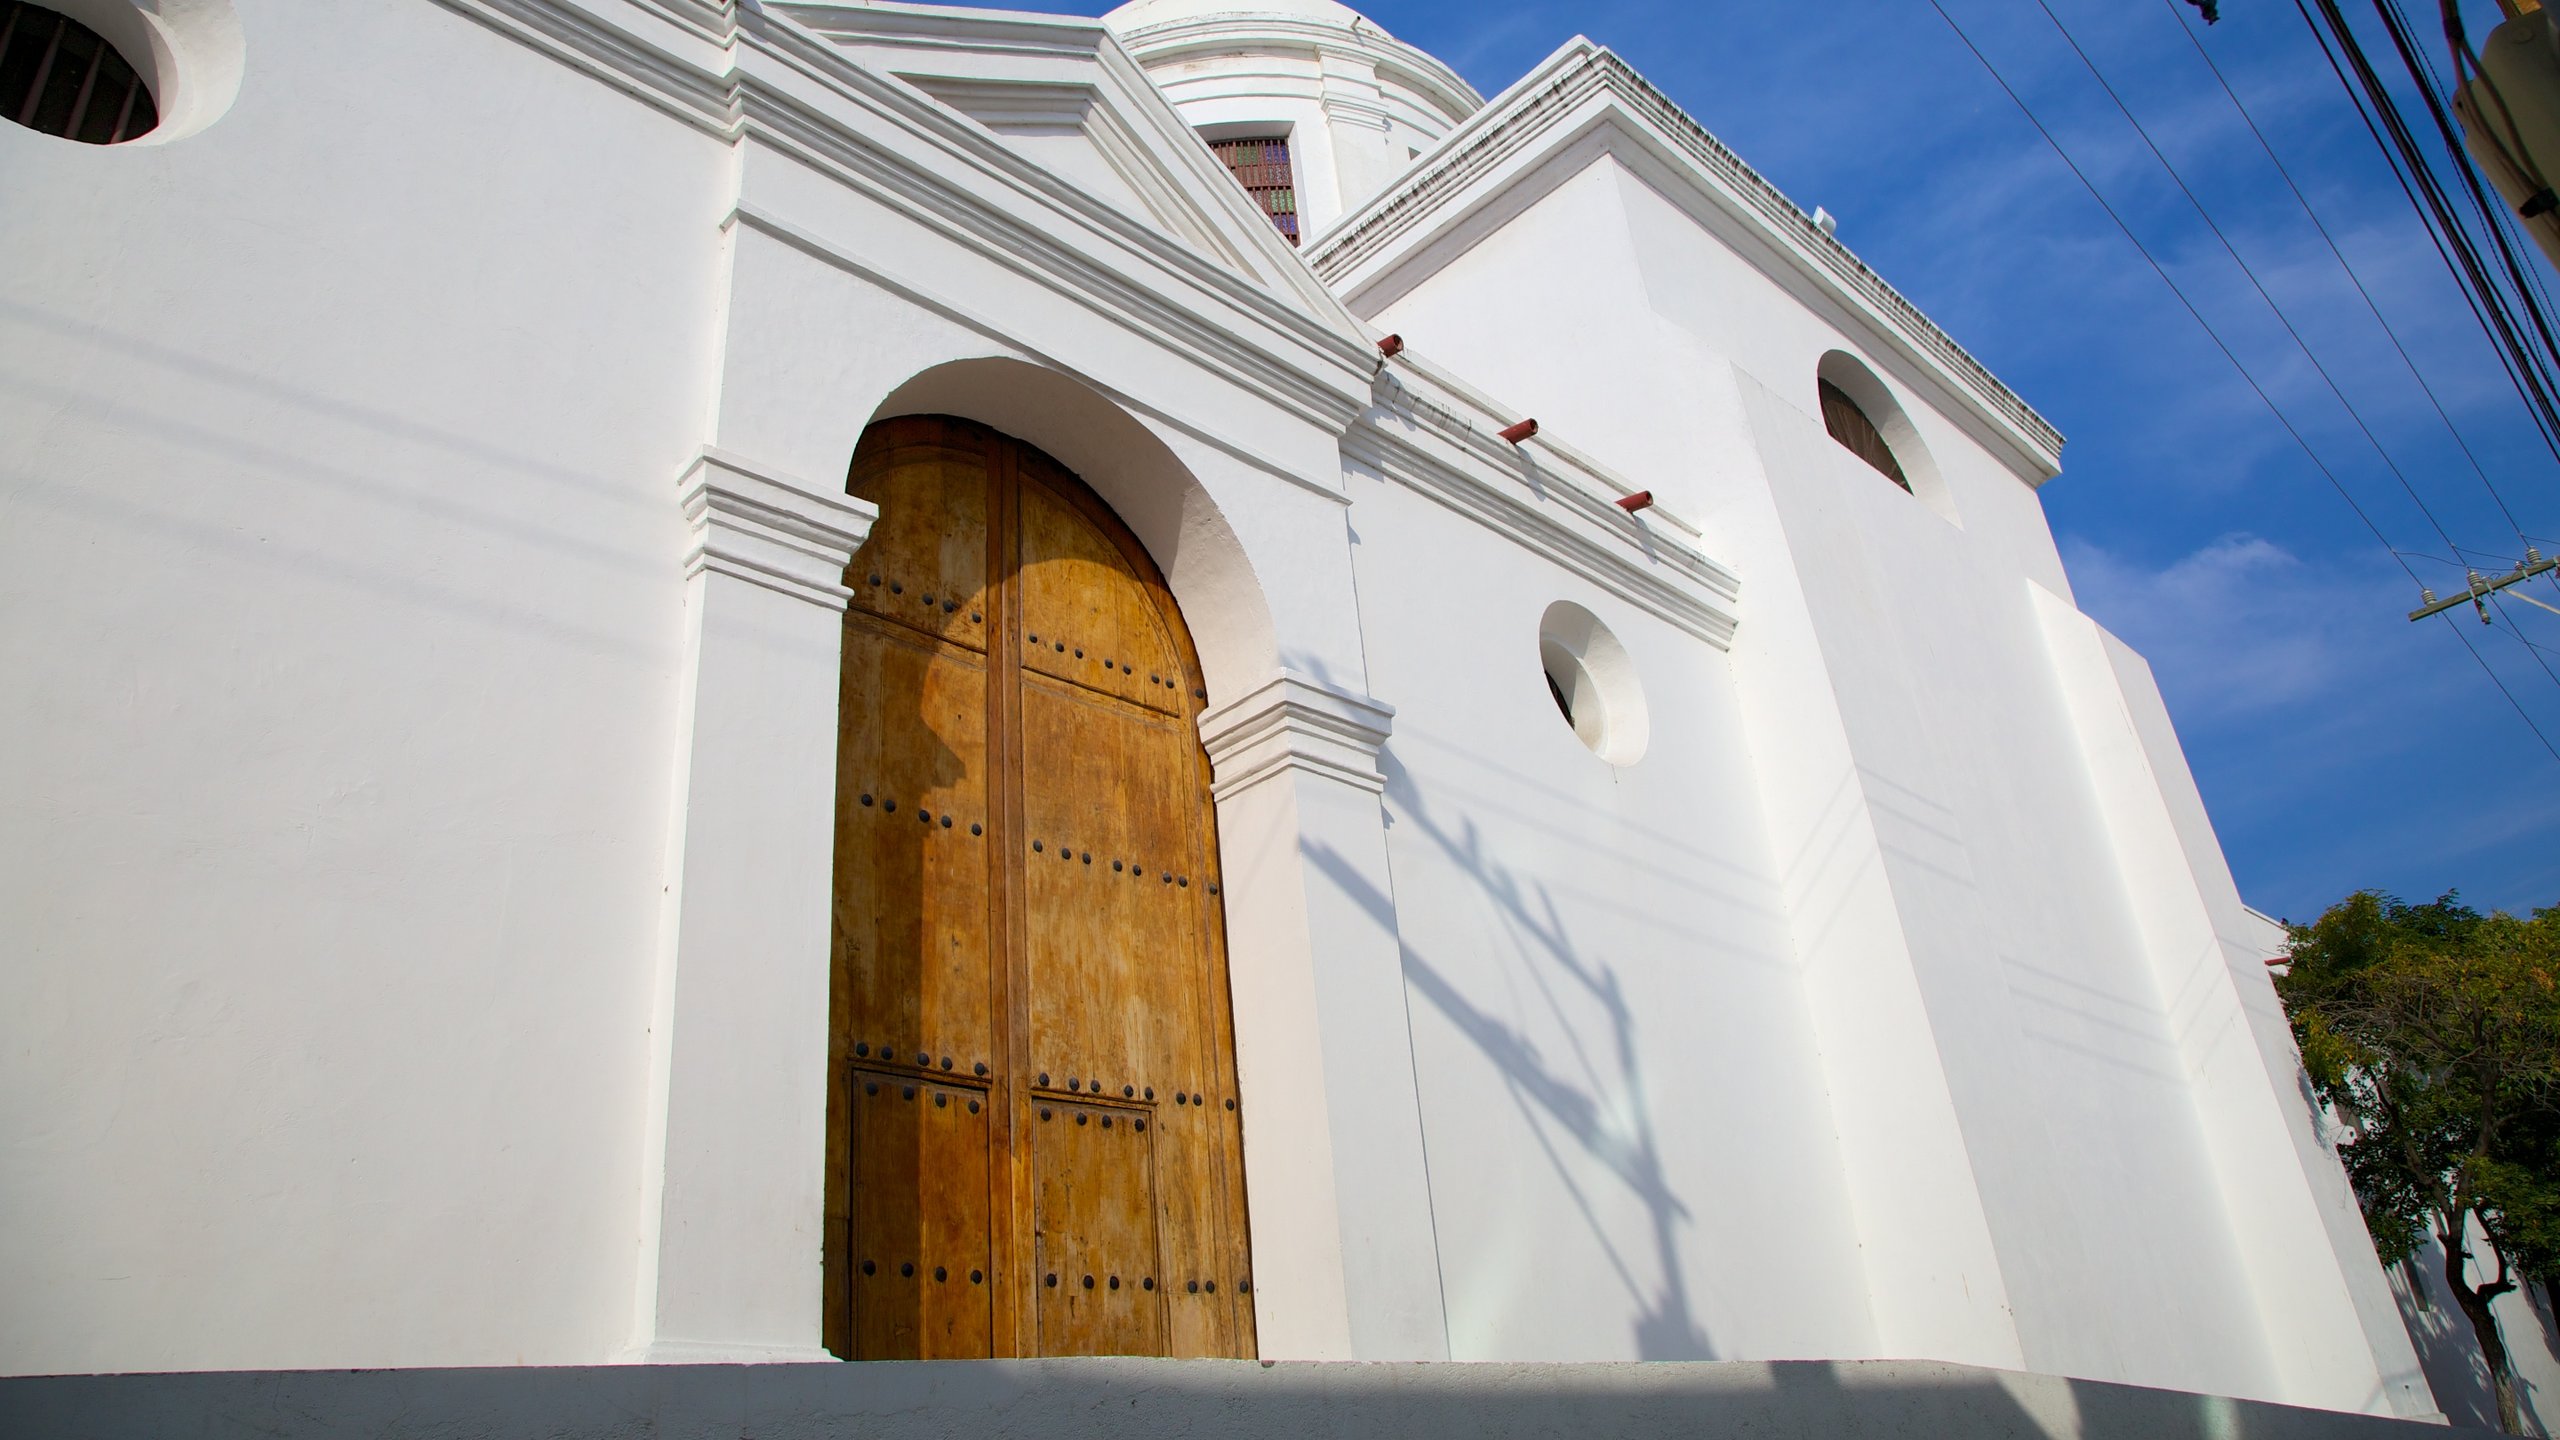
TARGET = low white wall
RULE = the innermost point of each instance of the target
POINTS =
(1132, 1399)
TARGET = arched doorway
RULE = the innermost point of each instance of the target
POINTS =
(1034, 1145)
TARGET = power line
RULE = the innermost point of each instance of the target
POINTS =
(2156, 268)
(2188, 30)
(2245, 269)
(2263, 398)
(2435, 215)
(2530, 648)
(2422, 73)
(2524, 364)
(2485, 669)
(2458, 45)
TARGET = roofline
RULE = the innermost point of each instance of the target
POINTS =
(1172, 39)
(1395, 224)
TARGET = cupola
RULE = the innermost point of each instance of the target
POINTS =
(1312, 106)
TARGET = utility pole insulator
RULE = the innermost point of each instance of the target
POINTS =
(2480, 589)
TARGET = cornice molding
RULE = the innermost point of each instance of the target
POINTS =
(1356, 110)
(845, 257)
(1323, 397)
(1130, 97)
(1367, 241)
(1172, 40)
(1296, 723)
(669, 57)
(779, 83)
(1546, 500)
(759, 525)
(733, 70)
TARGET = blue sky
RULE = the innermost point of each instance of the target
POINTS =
(2337, 745)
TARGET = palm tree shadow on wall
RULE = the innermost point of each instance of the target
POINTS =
(1571, 1098)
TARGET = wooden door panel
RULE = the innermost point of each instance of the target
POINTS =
(924, 564)
(1101, 1287)
(1087, 617)
(1034, 1070)
(1112, 967)
(920, 1233)
(913, 852)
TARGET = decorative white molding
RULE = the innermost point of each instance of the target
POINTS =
(745, 72)
(1278, 288)
(1367, 243)
(1418, 70)
(767, 529)
(1308, 361)
(1296, 722)
(1547, 500)
(845, 257)
(1003, 105)
(1356, 110)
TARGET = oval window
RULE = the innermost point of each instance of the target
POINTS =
(61, 77)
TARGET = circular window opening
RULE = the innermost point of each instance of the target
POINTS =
(1592, 681)
(61, 77)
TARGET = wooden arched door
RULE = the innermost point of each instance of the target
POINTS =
(1033, 1142)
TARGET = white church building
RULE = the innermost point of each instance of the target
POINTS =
(508, 507)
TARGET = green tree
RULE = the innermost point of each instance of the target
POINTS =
(2434, 1031)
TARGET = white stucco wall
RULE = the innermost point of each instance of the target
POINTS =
(341, 624)
(2067, 1054)
(1618, 1077)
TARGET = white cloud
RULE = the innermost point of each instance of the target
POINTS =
(2243, 626)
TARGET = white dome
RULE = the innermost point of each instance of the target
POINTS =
(1138, 14)
(1356, 104)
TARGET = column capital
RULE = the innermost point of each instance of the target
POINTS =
(754, 523)
(1296, 722)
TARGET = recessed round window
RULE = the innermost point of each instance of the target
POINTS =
(113, 72)
(1592, 681)
(63, 78)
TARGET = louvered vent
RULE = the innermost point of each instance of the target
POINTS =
(1850, 426)
(58, 76)
(1261, 166)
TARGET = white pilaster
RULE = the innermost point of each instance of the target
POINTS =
(1345, 1265)
(734, 1159)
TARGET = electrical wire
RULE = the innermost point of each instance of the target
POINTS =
(2371, 100)
(2156, 268)
(2263, 398)
(2420, 62)
(2247, 270)
(2422, 71)
(2486, 669)
(2458, 45)
(2532, 649)
(2502, 230)
(2187, 29)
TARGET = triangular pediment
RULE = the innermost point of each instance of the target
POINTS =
(1585, 106)
(1061, 92)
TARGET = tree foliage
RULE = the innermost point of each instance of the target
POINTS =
(2434, 1031)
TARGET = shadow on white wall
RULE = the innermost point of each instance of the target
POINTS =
(2451, 1356)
